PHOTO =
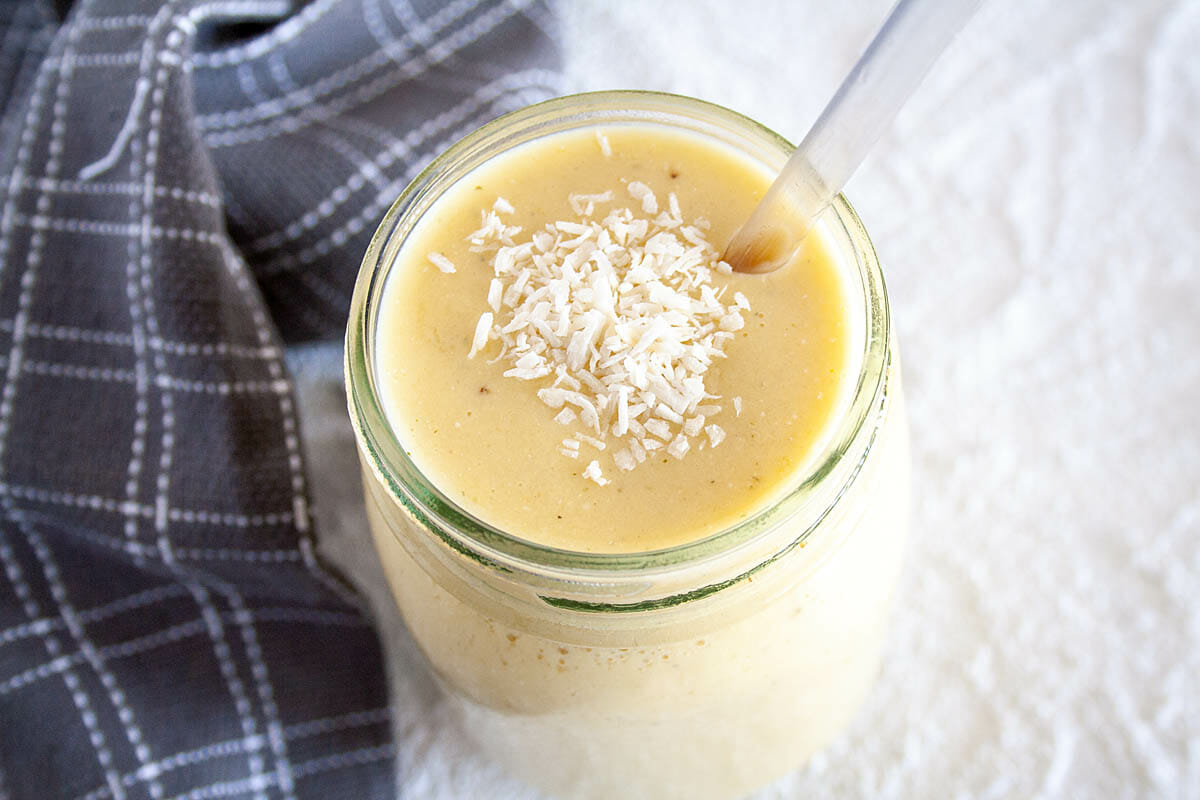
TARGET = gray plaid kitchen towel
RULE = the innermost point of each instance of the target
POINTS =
(187, 186)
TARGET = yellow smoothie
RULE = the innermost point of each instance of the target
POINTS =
(692, 623)
(494, 448)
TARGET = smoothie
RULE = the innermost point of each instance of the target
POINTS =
(494, 447)
(629, 615)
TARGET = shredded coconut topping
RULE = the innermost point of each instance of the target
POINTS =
(620, 319)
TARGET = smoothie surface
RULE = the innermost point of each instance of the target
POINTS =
(493, 447)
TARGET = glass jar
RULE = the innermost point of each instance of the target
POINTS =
(703, 670)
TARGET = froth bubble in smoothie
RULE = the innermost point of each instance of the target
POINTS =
(642, 514)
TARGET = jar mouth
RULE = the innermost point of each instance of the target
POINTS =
(851, 431)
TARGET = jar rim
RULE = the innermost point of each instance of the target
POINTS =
(843, 452)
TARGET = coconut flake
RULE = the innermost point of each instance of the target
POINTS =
(495, 293)
(666, 412)
(679, 446)
(732, 322)
(553, 397)
(716, 434)
(441, 262)
(644, 195)
(659, 428)
(592, 440)
(483, 330)
(592, 472)
(624, 460)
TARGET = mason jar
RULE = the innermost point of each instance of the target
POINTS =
(700, 671)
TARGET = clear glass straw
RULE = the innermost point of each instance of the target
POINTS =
(911, 38)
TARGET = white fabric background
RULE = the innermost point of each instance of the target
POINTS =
(1037, 210)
